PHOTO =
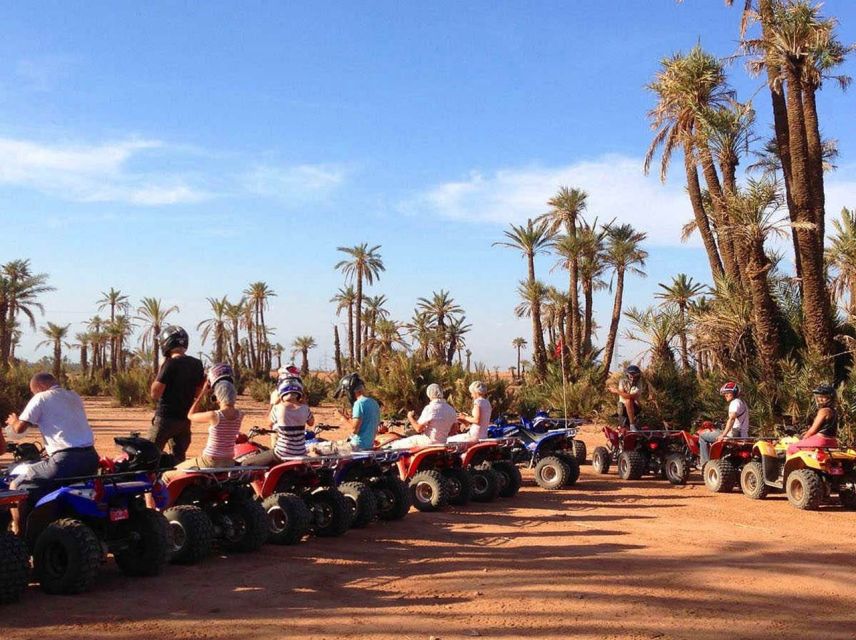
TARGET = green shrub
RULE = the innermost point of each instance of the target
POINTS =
(131, 388)
(258, 390)
(86, 386)
(317, 389)
(14, 390)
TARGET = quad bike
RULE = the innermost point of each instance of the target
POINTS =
(728, 456)
(298, 494)
(14, 557)
(807, 475)
(69, 530)
(491, 467)
(205, 506)
(663, 453)
(541, 423)
(552, 454)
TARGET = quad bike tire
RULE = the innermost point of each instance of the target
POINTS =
(573, 466)
(580, 452)
(486, 484)
(191, 534)
(720, 476)
(601, 460)
(429, 490)
(14, 567)
(847, 497)
(677, 468)
(752, 482)
(510, 479)
(289, 519)
(459, 486)
(249, 527)
(66, 557)
(552, 473)
(393, 498)
(148, 553)
(632, 465)
(805, 489)
(331, 513)
(362, 501)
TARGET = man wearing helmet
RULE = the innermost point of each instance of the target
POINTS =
(177, 384)
(737, 425)
(628, 390)
(824, 428)
(365, 415)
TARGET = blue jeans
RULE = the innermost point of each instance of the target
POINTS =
(704, 441)
(43, 477)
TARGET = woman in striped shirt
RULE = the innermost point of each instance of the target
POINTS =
(289, 419)
(224, 424)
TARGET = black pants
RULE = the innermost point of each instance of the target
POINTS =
(262, 459)
(175, 431)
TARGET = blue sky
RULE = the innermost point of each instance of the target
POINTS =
(182, 150)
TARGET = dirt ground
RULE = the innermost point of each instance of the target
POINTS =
(605, 559)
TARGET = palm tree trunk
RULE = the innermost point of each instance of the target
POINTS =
(5, 330)
(57, 363)
(538, 340)
(304, 366)
(815, 160)
(699, 213)
(84, 360)
(351, 333)
(155, 348)
(685, 356)
(609, 349)
(337, 351)
(575, 306)
(588, 321)
(726, 243)
(518, 363)
(358, 324)
(764, 311)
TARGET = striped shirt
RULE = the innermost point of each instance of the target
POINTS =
(221, 436)
(290, 426)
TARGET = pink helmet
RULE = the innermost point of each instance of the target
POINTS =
(220, 371)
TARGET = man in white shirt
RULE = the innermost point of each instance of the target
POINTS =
(434, 423)
(59, 415)
(737, 425)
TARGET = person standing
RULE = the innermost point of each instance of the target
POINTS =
(176, 386)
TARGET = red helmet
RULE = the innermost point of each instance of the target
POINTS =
(730, 387)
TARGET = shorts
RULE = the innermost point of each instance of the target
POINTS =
(43, 477)
(175, 431)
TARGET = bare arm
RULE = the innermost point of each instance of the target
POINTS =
(196, 416)
(418, 427)
(157, 390)
(17, 425)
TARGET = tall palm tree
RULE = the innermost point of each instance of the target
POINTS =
(302, 345)
(277, 350)
(153, 314)
(375, 310)
(56, 336)
(20, 289)
(421, 330)
(439, 309)
(387, 336)
(116, 301)
(624, 253)
(566, 209)
(841, 256)
(216, 327)
(533, 293)
(119, 331)
(518, 344)
(456, 337)
(363, 265)
(83, 343)
(681, 293)
(656, 328)
(592, 267)
(258, 296)
(346, 298)
(95, 327)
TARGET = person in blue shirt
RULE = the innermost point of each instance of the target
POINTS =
(365, 414)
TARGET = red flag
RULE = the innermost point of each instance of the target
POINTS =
(557, 352)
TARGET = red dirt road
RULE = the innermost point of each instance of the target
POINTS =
(606, 559)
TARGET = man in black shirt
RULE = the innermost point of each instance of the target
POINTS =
(178, 382)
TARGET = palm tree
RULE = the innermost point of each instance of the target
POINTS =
(55, 335)
(345, 298)
(681, 293)
(566, 209)
(656, 328)
(421, 330)
(624, 253)
(387, 336)
(234, 315)
(215, 327)
(114, 300)
(533, 294)
(469, 355)
(19, 292)
(438, 309)
(83, 342)
(518, 343)
(153, 314)
(258, 297)
(95, 326)
(841, 256)
(455, 336)
(119, 331)
(364, 265)
(277, 350)
(302, 345)
(374, 311)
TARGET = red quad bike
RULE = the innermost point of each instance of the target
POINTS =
(205, 506)
(14, 557)
(491, 468)
(299, 494)
(664, 453)
(727, 458)
(435, 474)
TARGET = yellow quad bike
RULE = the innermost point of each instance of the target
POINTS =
(808, 476)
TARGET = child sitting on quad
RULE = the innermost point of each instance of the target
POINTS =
(289, 419)
(434, 423)
(224, 424)
(824, 428)
(479, 420)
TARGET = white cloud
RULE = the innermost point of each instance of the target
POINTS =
(296, 184)
(91, 173)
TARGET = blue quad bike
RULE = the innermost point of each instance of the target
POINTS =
(542, 423)
(369, 480)
(552, 455)
(14, 557)
(70, 530)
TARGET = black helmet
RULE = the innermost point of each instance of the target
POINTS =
(348, 386)
(143, 454)
(824, 389)
(633, 370)
(172, 338)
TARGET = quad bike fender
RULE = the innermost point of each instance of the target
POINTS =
(764, 449)
(550, 442)
(427, 457)
(803, 460)
(690, 440)
(612, 436)
(274, 475)
(717, 449)
(478, 453)
(177, 485)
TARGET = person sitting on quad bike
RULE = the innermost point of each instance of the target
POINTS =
(70, 444)
(177, 384)
(479, 420)
(364, 418)
(434, 423)
(628, 390)
(824, 428)
(224, 425)
(289, 419)
(284, 374)
(737, 425)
